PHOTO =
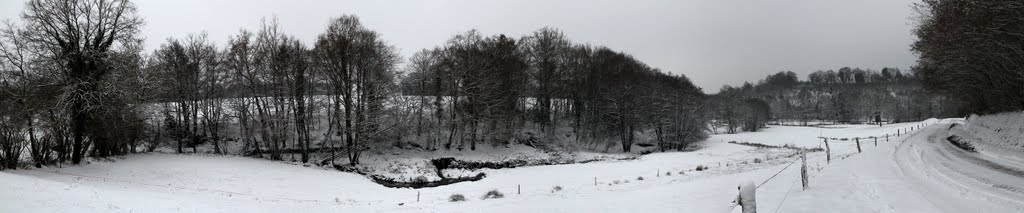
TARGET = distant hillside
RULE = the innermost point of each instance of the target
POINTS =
(849, 95)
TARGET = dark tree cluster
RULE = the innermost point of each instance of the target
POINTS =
(541, 84)
(972, 51)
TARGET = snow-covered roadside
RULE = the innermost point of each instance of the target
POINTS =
(916, 174)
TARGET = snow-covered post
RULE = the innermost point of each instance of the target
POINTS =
(858, 144)
(803, 169)
(886, 137)
(746, 199)
(828, 152)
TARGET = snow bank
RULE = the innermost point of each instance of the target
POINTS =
(997, 131)
(998, 136)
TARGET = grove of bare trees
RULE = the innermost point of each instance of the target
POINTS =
(76, 82)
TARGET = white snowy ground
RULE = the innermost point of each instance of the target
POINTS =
(909, 177)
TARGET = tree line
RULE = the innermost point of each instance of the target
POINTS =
(846, 95)
(76, 82)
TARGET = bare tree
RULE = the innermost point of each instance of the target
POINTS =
(80, 35)
(361, 70)
(545, 50)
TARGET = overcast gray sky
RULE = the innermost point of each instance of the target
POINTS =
(713, 42)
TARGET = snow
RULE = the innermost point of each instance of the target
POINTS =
(810, 137)
(998, 137)
(916, 174)
(912, 173)
(408, 165)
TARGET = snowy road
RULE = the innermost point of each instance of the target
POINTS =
(919, 172)
(935, 163)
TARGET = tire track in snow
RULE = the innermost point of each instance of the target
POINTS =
(950, 167)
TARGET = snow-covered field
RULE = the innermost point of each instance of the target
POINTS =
(911, 173)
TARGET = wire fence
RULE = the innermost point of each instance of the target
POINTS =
(901, 132)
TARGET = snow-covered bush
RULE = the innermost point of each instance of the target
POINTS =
(557, 188)
(456, 198)
(493, 194)
(420, 179)
(640, 178)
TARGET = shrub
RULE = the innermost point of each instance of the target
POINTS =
(420, 179)
(757, 160)
(640, 178)
(557, 188)
(682, 172)
(668, 173)
(493, 194)
(701, 168)
(616, 182)
(456, 198)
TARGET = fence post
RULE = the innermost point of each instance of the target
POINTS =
(803, 169)
(828, 152)
(858, 144)
(746, 198)
(876, 141)
(886, 137)
(417, 196)
(595, 181)
(519, 189)
(658, 174)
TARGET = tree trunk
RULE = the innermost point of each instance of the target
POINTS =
(78, 130)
